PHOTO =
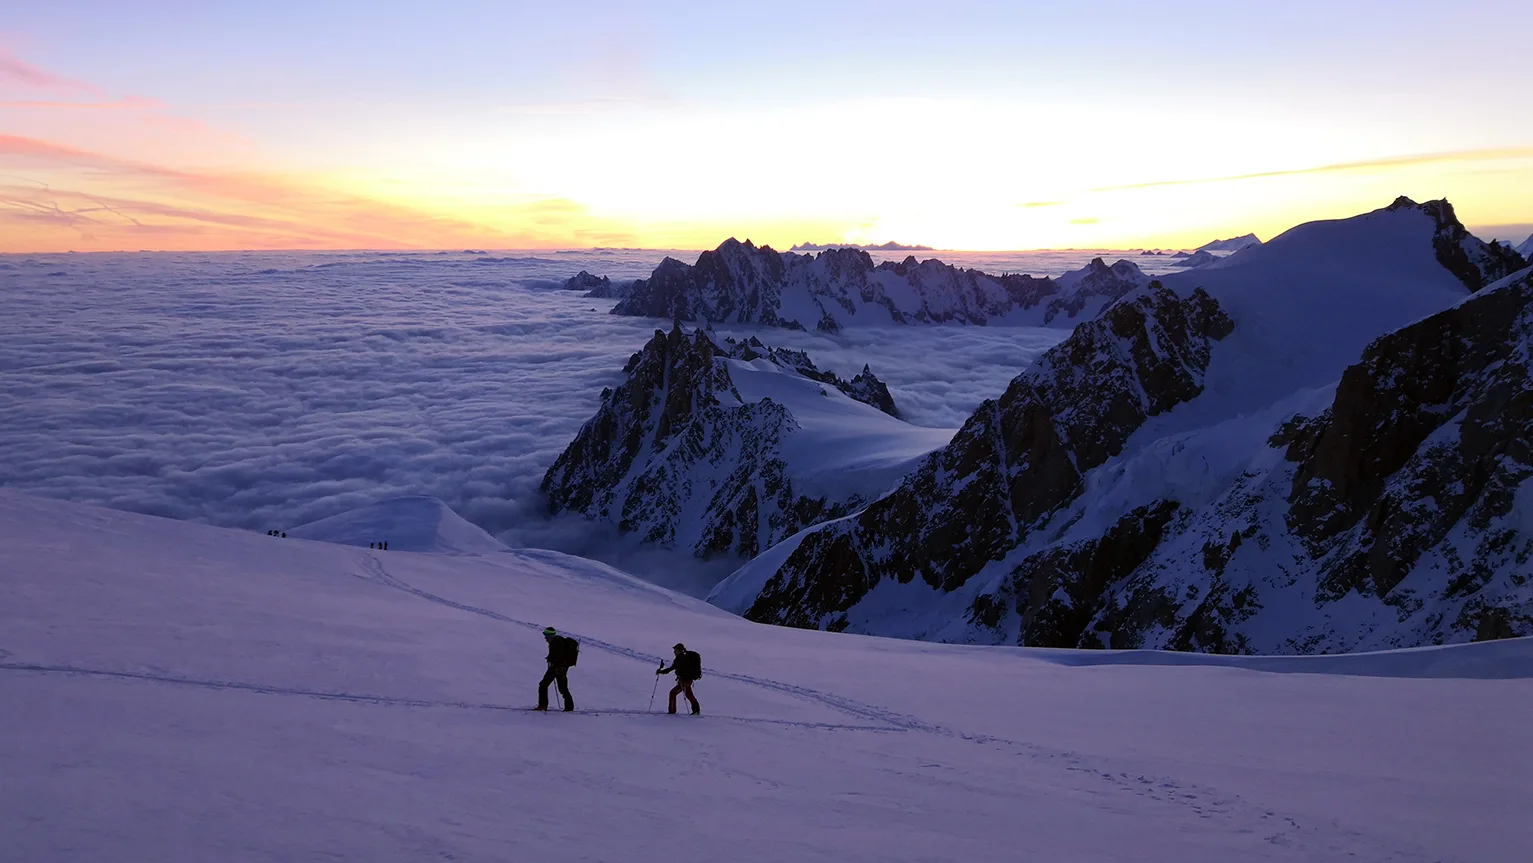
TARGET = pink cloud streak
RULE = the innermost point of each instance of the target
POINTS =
(18, 72)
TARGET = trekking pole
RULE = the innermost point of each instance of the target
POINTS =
(652, 691)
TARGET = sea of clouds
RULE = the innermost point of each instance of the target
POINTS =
(266, 390)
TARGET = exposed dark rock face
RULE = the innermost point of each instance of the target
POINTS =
(676, 456)
(1474, 262)
(1015, 461)
(1430, 433)
(1056, 593)
(1392, 507)
(743, 283)
(1097, 284)
(597, 287)
(737, 282)
(1401, 514)
(584, 281)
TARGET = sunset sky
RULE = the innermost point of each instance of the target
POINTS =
(285, 125)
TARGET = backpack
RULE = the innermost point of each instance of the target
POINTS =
(690, 665)
(567, 650)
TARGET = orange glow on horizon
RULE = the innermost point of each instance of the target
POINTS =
(82, 169)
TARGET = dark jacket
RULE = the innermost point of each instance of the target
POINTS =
(675, 666)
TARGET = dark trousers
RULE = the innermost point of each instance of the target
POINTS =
(684, 686)
(561, 674)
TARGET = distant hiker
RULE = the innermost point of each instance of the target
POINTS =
(563, 652)
(385, 545)
(688, 666)
(370, 545)
(284, 534)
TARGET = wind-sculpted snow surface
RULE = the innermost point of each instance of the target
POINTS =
(743, 283)
(728, 449)
(1262, 506)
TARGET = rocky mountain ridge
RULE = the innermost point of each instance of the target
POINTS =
(743, 283)
(597, 287)
(703, 446)
(1173, 475)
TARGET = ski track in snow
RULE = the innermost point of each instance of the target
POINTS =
(1205, 802)
(1078, 772)
(1315, 841)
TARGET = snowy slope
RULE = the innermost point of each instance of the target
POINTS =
(1233, 244)
(408, 524)
(180, 692)
(743, 283)
(728, 448)
(1101, 500)
(1526, 249)
(1197, 259)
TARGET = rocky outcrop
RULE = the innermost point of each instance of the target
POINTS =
(679, 457)
(1017, 460)
(1092, 287)
(1475, 262)
(743, 283)
(1399, 516)
(1432, 430)
(1053, 596)
(597, 287)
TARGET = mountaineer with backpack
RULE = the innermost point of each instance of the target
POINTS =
(563, 652)
(688, 667)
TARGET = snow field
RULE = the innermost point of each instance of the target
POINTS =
(182, 692)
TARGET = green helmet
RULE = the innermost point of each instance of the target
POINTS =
(549, 632)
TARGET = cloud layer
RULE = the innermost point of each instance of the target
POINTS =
(262, 390)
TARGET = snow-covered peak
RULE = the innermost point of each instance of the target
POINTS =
(1526, 249)
(728, 448)
(1098, 273)
(1308, 301)
(1143, 452)
(1475, 262)
(1201, 257)
(417, 523)
(1233, 244)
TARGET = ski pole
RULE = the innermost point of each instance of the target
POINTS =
(654, 690)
